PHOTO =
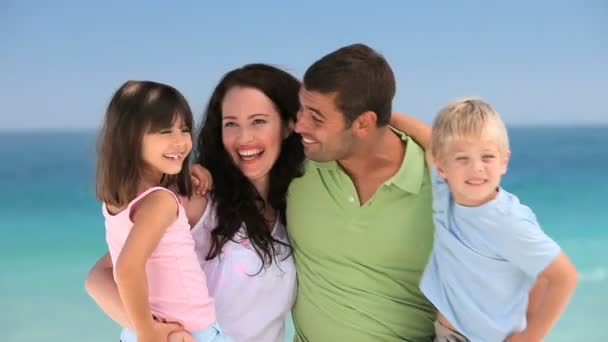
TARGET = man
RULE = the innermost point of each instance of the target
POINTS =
(360, 218)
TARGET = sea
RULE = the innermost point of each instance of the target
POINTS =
(52, 229)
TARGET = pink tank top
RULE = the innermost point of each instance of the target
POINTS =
(177, 286)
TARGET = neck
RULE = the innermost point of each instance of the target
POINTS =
(262, 186)
(381, 149)
(148, 180)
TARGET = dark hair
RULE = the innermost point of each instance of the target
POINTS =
(236, 199)
(362, 79)
(136, 108)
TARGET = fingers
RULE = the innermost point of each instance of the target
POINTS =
(180, 336)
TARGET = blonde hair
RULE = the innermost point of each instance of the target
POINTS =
(467, 118)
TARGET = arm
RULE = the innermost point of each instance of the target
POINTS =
(536, 296)
(561, 278)
(153, 215)
(101, 287)
(195, 207)
(202, 181)
(417, 129)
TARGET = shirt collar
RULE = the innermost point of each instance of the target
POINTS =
(410, 175)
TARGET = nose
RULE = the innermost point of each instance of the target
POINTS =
(245, 136)
(299, 126)
(181, 139)
(477, 165)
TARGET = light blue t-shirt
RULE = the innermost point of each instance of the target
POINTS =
(484, 262)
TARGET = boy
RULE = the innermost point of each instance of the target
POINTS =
(489, 249)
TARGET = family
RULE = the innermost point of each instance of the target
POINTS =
(312, 197)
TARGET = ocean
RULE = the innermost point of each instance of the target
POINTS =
(53, 229)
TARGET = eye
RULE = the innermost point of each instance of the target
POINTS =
(229, 124)
(316, 119)
(488, 157)
(259, 121)
(165, 131)
(462, 158)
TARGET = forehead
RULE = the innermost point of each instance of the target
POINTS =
(245, 101)
(325, 102)
(472, 144)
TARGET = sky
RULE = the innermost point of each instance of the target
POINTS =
(537, 62)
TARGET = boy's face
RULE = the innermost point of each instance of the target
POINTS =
(472, 169)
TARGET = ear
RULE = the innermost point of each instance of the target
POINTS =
(505, 161)
(365, 123)
(440, 167)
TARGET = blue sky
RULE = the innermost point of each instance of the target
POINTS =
(544, 62)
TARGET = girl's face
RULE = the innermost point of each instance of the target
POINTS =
(252, 133)
(165, 151)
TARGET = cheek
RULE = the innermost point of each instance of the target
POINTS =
(227, 140)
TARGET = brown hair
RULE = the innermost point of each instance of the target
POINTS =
(362, 79)
(137, 107)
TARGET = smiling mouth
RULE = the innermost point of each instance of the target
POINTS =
(308, 141)
(476, 182)
(174, 156)
(248, 155)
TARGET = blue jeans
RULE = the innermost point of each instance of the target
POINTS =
(211, 334)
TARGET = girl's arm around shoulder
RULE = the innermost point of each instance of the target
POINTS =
(195, 207)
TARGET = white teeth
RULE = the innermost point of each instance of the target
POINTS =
(249, 153)
(172, 156)
(308, 141)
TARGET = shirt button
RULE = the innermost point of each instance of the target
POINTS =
(351, 199)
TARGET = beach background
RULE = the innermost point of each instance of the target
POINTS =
(53, 231)
(542, 64)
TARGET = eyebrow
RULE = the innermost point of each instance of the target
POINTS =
(316, 111)
(232, 117)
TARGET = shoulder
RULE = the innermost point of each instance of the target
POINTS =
(512, 211)
(156, 203)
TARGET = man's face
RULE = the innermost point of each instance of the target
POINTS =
(323, 128)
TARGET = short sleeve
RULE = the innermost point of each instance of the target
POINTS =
(441, 192)
(526, 245)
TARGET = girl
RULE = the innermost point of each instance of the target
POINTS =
(143, 157)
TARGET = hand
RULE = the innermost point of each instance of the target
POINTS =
(161, 332)
(180, 336)
(202, 182)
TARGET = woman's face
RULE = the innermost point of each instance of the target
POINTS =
(252, 133)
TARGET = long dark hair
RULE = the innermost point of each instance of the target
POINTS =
(137, 107)
(236, 199)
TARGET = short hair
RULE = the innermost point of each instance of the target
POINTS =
(361, 78)
(467, 118)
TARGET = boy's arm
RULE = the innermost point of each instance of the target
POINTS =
(561, 278)
(536, 296)
(154, 214)
(417, 129)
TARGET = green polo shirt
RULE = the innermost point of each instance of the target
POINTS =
(359, 266)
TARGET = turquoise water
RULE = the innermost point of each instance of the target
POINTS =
(52, 228)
